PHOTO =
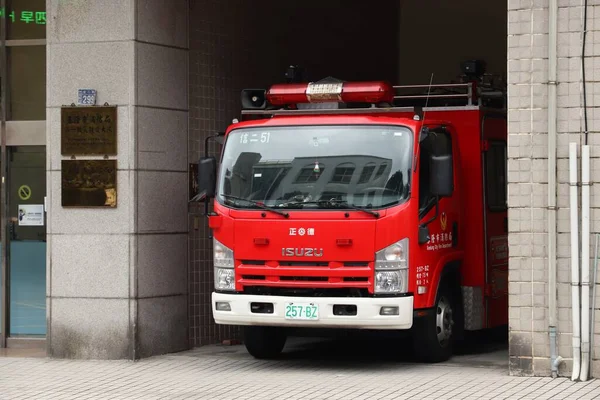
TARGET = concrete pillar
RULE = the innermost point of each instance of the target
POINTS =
(117, 278)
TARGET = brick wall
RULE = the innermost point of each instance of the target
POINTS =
(239, 43)
(528, 174)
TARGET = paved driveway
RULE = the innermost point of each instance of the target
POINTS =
(309, 369)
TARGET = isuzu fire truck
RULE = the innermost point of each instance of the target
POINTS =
(340, 205)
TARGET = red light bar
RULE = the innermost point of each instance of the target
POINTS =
(344, 92)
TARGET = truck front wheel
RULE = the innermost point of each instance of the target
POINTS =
(434, 334)
(264, 342)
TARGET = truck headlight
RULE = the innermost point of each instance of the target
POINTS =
(391, 268)
(224, 267)
(224, 279)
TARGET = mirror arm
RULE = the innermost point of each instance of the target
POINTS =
(219, 134)
(206, 154)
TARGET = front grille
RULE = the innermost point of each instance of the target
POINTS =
(348, 264)
(356, 264)
(303, 264)
(253, 262)
(254, 277)
(318, 292)
(304, 278)
(356, 279)
(305, 274)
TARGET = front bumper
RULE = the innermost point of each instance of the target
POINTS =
(367, 311)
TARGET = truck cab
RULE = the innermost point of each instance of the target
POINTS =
(353, 217)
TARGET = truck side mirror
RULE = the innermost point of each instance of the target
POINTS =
(207, 178)
(441, 175)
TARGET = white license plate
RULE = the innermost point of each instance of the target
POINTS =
(302, 311)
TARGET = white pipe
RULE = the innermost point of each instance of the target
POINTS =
(585, 262)
(552, 78)
(592, 317)
(574, 259)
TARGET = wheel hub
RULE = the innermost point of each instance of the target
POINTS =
(444, 321)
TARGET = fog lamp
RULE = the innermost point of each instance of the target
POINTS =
(389, 311)
(223, 306)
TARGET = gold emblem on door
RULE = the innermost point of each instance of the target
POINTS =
(443, 221)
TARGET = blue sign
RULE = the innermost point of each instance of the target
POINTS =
(87, 97)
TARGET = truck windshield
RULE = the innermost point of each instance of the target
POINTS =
(303, 167)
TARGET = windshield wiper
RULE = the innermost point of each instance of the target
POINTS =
(332, 202)
(353, 207)
(257, 204)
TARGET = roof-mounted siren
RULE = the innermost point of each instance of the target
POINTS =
(254, 99)
(341, 92)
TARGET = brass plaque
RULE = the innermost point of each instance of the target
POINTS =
(88, 130)
(89, 183)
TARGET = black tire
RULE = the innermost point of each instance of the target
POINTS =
(434, 335)
(264, 342)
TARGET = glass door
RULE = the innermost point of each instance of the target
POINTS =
(23, 177)
(27, 238)
(25, 301)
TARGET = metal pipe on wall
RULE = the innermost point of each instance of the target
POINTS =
(574, 259)
(552, 77)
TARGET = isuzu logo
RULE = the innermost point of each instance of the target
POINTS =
(301, 252)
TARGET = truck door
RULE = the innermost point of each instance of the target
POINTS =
(494, 132)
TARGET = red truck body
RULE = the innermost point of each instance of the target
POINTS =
(326, 260)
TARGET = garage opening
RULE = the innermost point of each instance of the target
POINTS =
(238, 44)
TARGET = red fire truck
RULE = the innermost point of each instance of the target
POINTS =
(349, 205)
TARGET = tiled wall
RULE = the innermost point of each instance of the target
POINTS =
(214, 47)
(239, 43)
(528, 174)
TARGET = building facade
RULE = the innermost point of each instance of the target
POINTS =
(135, 280)
(542, 55)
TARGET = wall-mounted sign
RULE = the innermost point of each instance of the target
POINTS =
(89, 130)
(89, 183)
(86, 97)
(24, 192)
(31, 215)
(25, 16)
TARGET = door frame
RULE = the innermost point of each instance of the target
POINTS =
(4, 296)
(12, 133)
(488, 139)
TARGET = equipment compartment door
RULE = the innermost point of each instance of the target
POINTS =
(496, 220)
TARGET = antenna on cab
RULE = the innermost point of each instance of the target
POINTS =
(423, 132)
(428, 96)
